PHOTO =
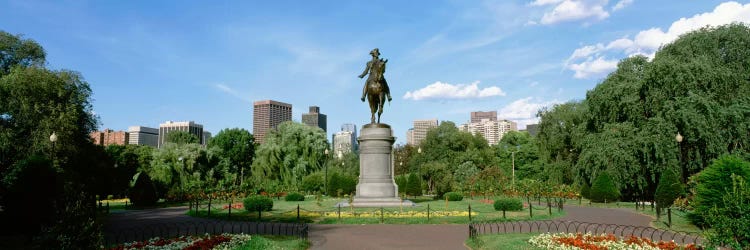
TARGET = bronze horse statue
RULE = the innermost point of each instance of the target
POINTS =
(376, 88)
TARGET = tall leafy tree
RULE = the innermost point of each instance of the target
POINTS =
(34, 103)
(289, 153)
(238, 147)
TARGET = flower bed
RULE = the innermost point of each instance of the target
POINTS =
(224, 241)
(386, 214)
(604, 241)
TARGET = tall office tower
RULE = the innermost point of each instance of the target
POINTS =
(492, 131)
(479, 115)
(351, 128)
(410, 136)
(420, 130)
(315, 118)
(343, 142)
(206, 138)
(268, 114)
(109, 137)
(533, 129)
(187, 126)
(140, 135)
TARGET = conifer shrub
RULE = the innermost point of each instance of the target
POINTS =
(668, 189)
(414, 185)
(143, 192)
(604, 189)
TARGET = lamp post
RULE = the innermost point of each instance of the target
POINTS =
(679, 138)
(53, 139)
(513, 165)
(325, 182)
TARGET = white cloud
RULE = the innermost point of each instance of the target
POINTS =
(524, 110)
(592, 67)
(571, 10)
(226, 89)
(441, 90)
(646, 42)
(622, 4)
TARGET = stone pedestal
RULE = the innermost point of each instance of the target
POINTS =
(376, 187)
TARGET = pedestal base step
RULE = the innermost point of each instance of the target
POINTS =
(379, 202)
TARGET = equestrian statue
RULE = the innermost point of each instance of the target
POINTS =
(376, 88)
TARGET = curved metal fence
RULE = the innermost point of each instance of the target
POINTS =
(177, 229)
(554, 226)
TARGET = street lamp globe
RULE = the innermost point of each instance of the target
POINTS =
(419, 150)
(678, 137)
(325, 152)
(53, 137)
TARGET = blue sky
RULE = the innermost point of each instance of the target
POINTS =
(152, 61)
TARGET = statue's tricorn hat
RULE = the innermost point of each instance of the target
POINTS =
(375, 51)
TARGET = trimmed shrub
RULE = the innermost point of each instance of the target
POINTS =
(401, 182)
(252, 203)
(143, 192)
(414, 185)
(346, 183)
(667, 191)
(294, 197)
(313, 182)
(714, 182)
(454, 196)
(508, 204)
(604, 189)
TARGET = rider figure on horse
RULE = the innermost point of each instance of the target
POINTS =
(376, 69)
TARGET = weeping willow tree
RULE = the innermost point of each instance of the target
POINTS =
(697, 86)
(288, 154)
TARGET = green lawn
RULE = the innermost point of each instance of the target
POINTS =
(456, 212)
(502, 241)
(268, 242)
(120, 204)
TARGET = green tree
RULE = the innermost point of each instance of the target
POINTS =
(16, 51)
(667, 191)
(714, 182)
(34, 103)
(143, 192)
(237, 146)
(508, 204)
(181, 137)
(313, 183)
(414, 185)
(604, 189)
(585, 190)
(289, 153)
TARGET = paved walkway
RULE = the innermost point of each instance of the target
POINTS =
(339, 236)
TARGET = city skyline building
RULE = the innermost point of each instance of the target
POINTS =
(140, 135)
(206, 138)
(108, 137)
(420, 129)
(186, 126)
(477, 116)
(267, 115)
(410, 136)
(315, 119)
(492, 131)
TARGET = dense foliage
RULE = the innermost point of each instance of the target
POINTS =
(730, 219)
(289, 153)
(237, 146)
(667, 191)
(454, 196)
(413, 185)
(604, 189)
(181, 137)
(294, 197)
(508, 204)
(34, 103)
(258, 202)
(627, 125)
(714, 182)
(143, 192)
